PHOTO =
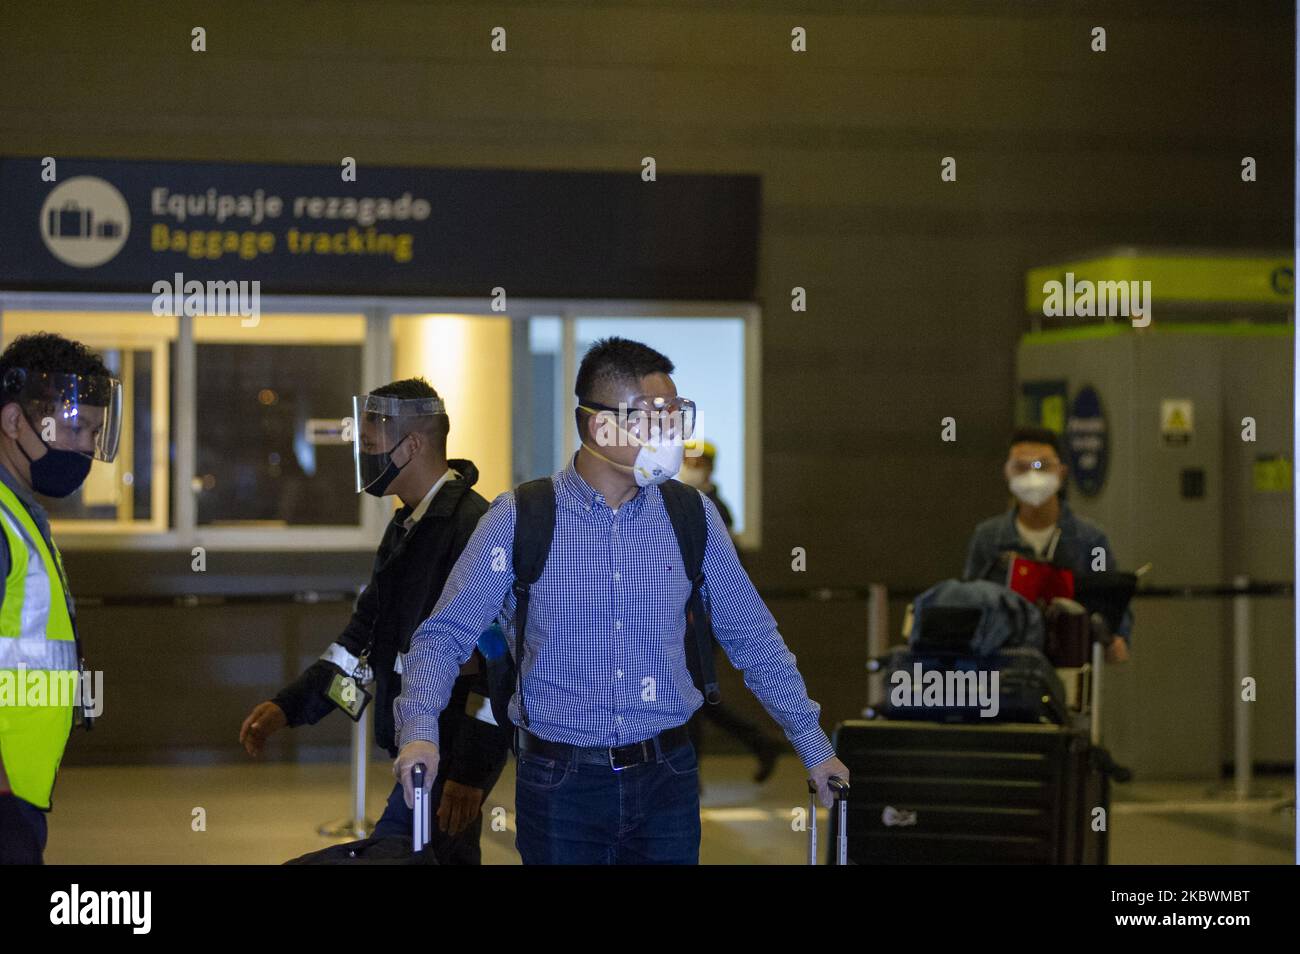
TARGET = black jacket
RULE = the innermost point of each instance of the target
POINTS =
(407, 579)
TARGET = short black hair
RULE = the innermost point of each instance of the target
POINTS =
(1036, 435)
(617, 361)
(409, 389)
(51, 354)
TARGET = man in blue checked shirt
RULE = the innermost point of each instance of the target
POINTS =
(606, 773)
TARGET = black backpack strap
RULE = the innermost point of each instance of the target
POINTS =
(534, 528)
(685, 506)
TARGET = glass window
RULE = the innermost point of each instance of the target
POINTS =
(541, 413)
(270, 402)
(709, 355)
(262, 416)
(133, 492)
(467, 359)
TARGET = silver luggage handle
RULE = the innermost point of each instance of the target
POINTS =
(840, 804)
(420, 808)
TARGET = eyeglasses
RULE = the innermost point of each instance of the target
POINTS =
(671, 416)
(1025, 466)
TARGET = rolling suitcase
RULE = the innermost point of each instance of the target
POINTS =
(929, 793)
(385, 851)
(982, 793)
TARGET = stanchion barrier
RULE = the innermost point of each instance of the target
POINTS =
(358, 825)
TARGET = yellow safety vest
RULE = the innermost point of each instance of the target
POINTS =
(37, 640)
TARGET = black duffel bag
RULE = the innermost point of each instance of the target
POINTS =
(391, 849)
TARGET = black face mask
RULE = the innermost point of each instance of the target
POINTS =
(379, 486)
(59, 472)
(371, 462)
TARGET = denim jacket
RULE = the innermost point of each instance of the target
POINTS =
(1079, 536)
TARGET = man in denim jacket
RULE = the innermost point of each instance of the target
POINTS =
(1041, 525)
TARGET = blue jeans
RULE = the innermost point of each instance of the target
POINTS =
(23, 832)
(578, 813)
(398, 821)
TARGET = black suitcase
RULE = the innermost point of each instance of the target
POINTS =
(1029, 689)
(928, 793)
(384, 851)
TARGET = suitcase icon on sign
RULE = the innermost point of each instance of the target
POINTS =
(108, 229)
(71, 221)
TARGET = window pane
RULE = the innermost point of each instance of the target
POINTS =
(709, 355)
(467, 360)
(141, 424)
(543, 419)
(268, 399)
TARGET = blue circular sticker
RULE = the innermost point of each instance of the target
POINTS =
(1087, 443)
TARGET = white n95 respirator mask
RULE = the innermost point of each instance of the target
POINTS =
(657, 461)
(1035, 487)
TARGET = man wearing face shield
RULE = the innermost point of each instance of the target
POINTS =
(1040, 524)
(60, 409)
(400, 449)
(606, 773)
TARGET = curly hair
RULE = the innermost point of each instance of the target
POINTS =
(46, 353)
(53, 354)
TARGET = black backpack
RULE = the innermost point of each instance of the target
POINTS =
(534, 530)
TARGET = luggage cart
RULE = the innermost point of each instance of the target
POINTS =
(971, 793)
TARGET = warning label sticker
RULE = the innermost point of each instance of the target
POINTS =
(1176, 421)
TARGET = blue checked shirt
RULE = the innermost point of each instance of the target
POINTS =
(605, 663)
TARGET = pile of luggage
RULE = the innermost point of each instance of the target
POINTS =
(985, 747)
(992, 633)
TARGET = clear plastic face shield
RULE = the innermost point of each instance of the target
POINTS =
(69, 412)
(380, 425)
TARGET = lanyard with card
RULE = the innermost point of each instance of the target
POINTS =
(349, 692)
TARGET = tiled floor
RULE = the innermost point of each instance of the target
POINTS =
(265, 814)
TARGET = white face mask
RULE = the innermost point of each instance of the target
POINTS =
(1035, 487)
(656, 461)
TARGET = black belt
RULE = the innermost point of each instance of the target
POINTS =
(618, 757)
